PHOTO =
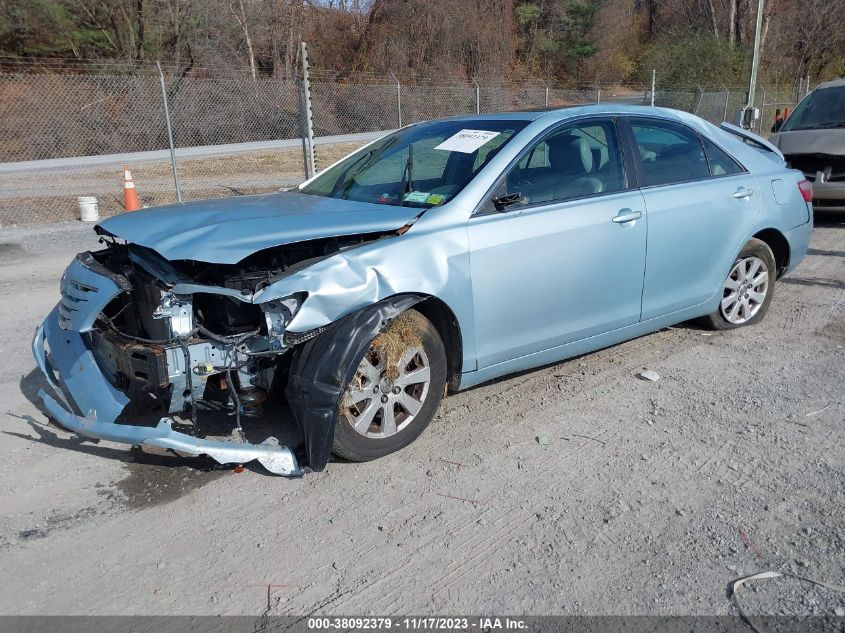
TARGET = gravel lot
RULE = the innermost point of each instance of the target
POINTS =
(649, 498)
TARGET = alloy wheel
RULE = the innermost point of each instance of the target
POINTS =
(745, 290)
(382, 400)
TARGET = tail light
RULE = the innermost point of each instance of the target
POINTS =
(806, 189)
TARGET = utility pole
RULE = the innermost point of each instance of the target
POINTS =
(748, 119)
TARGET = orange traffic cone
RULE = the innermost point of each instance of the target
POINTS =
(130, 196)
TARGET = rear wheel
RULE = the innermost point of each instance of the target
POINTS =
(395, 392)
(748, 289)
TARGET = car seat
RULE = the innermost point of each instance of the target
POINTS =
(571, 161)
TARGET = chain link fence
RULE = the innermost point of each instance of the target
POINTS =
(770, 102)
(69, 135)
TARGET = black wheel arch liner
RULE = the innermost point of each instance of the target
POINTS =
(325, 365)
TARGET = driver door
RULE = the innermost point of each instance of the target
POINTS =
(565, 259)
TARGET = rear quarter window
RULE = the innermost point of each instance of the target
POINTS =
(721, 163)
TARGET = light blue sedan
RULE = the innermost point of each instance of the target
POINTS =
(439, 257)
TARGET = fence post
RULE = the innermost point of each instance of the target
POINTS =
(700, 97)
(799, 89)
(398, 98)
(598, 94)
(303, 135)
(653, 81)
(727, 98)
(762, 112)
(169, 133)
(477, 96)
(311, 166)
(546, 100)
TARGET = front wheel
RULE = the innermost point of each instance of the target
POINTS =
(748, 289)
(395, 392)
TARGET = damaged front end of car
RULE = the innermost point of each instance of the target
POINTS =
(148, 351)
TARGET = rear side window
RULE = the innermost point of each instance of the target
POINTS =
(669, 152)
(721, 164)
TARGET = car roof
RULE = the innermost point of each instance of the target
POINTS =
(836, 83)
(566, 112)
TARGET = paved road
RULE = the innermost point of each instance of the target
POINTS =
(649, 498)
(78, 162)
(41, 191)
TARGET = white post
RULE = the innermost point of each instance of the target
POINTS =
(653, 82)
(309, 122)
(477, 96)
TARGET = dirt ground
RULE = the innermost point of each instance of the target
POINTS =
(649, 498)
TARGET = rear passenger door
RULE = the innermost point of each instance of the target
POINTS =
(700, 203)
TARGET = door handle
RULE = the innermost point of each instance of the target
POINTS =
(742, 192)
(626, 215)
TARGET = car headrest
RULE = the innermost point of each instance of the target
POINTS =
(570, 154)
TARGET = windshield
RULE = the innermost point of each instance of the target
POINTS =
(821, 109)
(420, 166)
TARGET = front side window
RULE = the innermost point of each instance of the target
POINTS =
(578, 160)
(669, 152)
(420, 166)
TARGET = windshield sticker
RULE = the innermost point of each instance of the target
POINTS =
(466, 141)
(416, 196)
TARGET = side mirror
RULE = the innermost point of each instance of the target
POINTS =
(503, 202)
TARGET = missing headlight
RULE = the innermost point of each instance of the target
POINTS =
(278, 314)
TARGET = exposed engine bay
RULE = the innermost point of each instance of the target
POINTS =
(185, 337)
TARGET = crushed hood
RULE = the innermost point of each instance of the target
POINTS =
(826, 141)
(226, 230)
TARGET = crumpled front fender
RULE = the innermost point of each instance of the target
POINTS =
(418, 262)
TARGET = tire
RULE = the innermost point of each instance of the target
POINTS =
(747, 292)
(379, 439)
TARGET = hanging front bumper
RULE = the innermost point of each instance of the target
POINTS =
(72, 371)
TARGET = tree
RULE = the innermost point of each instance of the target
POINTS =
(555, 35)
(690, 41)
(240, 16)
(688, 58)
(806, 37)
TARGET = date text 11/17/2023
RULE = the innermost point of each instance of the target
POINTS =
(421, 623)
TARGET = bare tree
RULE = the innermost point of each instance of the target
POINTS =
(713, 22)
(732, 22)
(242, 22)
